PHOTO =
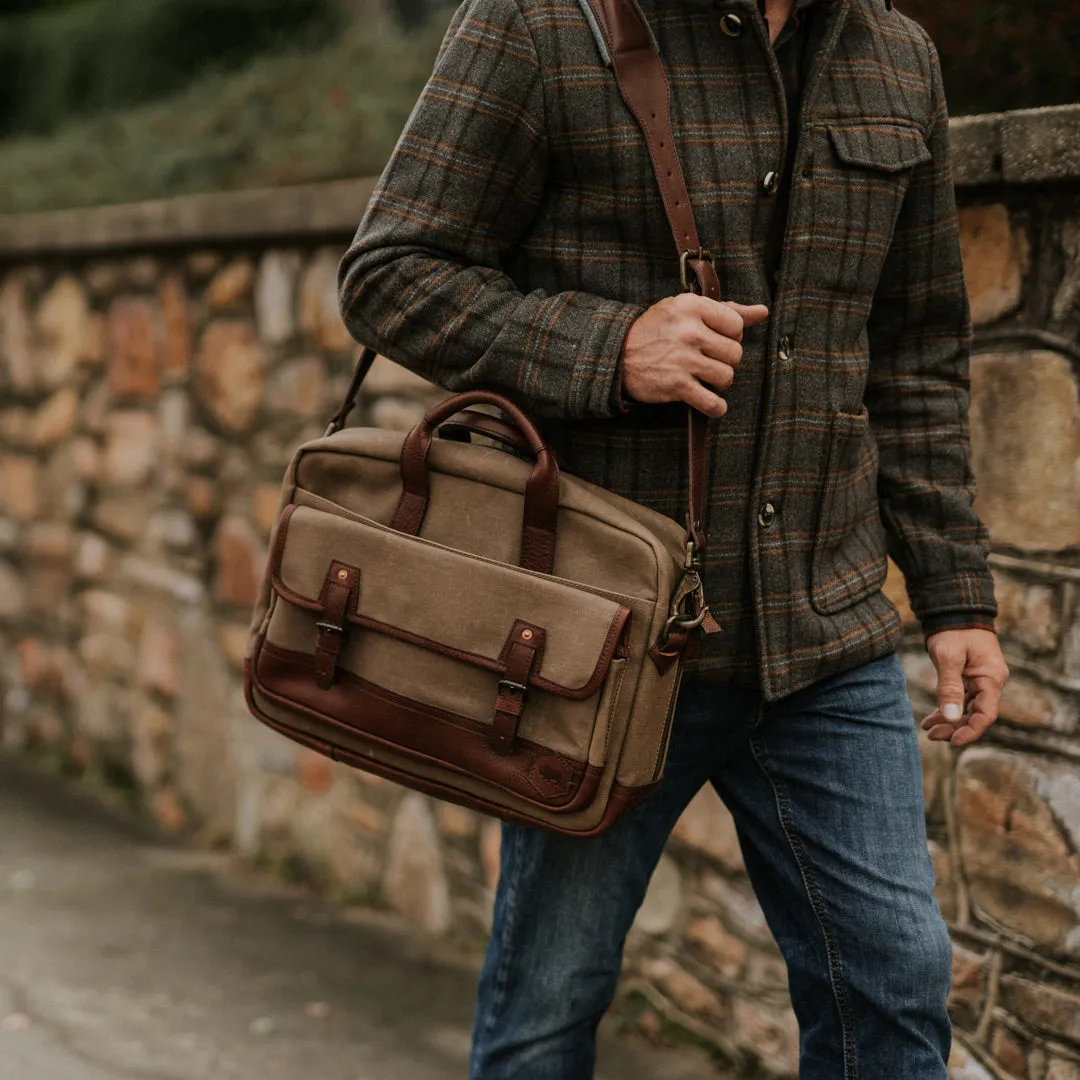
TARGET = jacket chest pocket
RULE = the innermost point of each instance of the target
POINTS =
(848, 562)
(861, 173)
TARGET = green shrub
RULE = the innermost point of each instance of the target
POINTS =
(92, 57)
(285, 118)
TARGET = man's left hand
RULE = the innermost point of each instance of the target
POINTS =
(971, 675)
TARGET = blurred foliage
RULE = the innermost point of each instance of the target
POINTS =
(283, 119)
(1004, 54)
(309, 112)
(65, 60)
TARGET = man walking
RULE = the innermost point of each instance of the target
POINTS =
(517, 241)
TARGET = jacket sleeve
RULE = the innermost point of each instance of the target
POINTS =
(423, 281)
(918, 395)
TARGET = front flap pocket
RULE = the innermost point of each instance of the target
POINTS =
(449, 602)
(885, 147)
(384, 643)
(848, 561)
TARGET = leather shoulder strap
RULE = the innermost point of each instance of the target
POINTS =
(642, 81)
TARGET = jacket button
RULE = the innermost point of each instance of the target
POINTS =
(786, 349)
(731, 24)
(766, 515)
(771, 184)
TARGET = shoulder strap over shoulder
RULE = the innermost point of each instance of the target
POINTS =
(639, 73)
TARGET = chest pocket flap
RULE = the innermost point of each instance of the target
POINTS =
(886, 146)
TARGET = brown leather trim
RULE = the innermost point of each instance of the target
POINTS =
(369, 713)
(279, 538)
(615, 633)
(338, 596)
(520, 656)
(541, 511)
(620, 799)
(666, 659)
(537, 639)
(698, 438)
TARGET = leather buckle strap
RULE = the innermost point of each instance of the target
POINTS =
(643, 84)
(520, 657)
(339, 595)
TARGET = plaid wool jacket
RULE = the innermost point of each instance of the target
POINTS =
(518, 231)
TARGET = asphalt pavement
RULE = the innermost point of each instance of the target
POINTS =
(127, 957)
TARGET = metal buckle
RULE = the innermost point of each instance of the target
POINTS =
(702, 254)
(509, 684)
(329, 628)
(688, 609)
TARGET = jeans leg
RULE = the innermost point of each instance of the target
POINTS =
(564, 906)
(827, 797)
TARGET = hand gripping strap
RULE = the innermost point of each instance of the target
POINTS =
(643, 85)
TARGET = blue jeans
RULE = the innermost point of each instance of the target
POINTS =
(826, 791)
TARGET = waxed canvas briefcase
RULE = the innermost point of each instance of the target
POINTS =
(470, 624)
(467, 621)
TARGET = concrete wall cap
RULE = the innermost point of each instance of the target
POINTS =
(1029, 146)
(331, 209)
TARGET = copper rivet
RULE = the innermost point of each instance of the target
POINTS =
(342, 574)
(526, 635)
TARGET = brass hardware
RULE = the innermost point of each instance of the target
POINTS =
(343, 575)
(704, 255)
(526, 635)
(688, 609)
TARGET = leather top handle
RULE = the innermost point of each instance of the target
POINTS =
(540, 524)
(468, 422)
(642, 82)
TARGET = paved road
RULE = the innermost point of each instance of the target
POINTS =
(125, 958)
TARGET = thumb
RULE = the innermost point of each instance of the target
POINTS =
(751, 314)
(950, 662)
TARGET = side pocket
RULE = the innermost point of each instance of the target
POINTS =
(848, 561)
(606, 711)
(669, 723)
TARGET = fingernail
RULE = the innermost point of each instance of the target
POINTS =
(952, 712)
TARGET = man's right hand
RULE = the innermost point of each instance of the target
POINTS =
(684, 345)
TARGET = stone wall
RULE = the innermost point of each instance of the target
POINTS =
(158, 364)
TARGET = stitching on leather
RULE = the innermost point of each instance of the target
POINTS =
(618, 794)
(463, 722)
(817, 905)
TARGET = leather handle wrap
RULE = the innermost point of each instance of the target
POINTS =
(540, 524)
(643, 85)
(467, 422)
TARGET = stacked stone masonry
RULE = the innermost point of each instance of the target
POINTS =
(156, 370)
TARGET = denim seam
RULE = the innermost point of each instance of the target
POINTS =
(813, 894)
(502, 975)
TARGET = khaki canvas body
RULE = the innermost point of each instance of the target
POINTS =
(418, 672)
(466, 621)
